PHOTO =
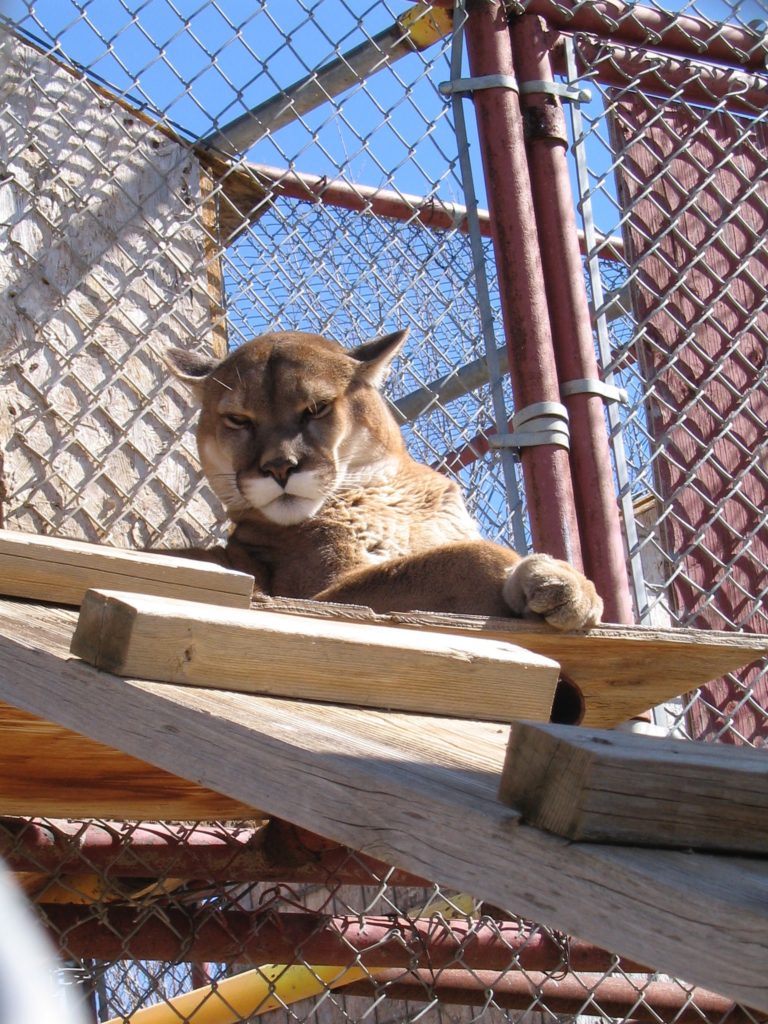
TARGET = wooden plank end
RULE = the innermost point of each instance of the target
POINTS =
(103, 632)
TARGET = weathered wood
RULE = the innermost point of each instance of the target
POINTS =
(419, 793)
(620, 671)
(312, 659)
(60, 570)
(617, 787)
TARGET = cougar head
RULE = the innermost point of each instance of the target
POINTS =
(289, 418)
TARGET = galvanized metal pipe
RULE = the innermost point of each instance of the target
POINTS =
(531, 358)
(597, 511)
(593, 995)
(110, 932)
(416, 29)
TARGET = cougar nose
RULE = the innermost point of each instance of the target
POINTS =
(279, 469)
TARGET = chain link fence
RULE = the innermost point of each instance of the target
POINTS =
(177, 173)
(683, 180)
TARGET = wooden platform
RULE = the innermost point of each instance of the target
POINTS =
(62, 570)
(415, 791)
(618, 671)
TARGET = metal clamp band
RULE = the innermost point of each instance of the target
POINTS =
(561, 89)
(592, 386)
(543, 423)
(460, 86)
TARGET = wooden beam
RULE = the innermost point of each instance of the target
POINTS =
(418, 793)
(311, 659)
(620, 671)
(615, 787)
(51, 771)
(60, 570)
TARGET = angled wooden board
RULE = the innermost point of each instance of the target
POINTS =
(620, 671)
(418, 793)
(61, 570)
(265, 652)
(617, 787)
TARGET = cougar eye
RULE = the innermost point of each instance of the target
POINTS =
(316, 410)
(235, 422)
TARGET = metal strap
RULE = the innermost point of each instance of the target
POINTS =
(561, 89)
(469, 85)
(543, 423)
(592, 386)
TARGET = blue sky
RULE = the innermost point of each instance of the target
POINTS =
(199, 64)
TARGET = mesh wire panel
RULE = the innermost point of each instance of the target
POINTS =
(678, 166)
(119, 238)
(341, 940)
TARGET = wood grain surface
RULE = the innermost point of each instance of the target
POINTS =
(313, 659)
(617, 787)
(417, 792)
(61, 570)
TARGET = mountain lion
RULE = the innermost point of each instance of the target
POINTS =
(326, 503)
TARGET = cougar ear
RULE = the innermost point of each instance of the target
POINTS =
(192, 368)
(376, 356)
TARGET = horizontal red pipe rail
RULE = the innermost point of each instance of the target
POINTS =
(270, 852)
(118, 933)
(652, 28)
(399, 206)
(469, 453)
(649, 26)
(623, 66)
(592, 995)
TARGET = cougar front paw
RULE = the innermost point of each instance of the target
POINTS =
(542, 585)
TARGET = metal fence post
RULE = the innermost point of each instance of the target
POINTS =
(533, 372)
(572, 335)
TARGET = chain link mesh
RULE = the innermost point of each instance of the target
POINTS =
(684, 182)
(123, 233)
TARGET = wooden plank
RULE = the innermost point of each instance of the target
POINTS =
(60, 570)
(616, 787)
(620, 671)
(49, 770)
(312, 659)
(418, 793)
(53, 772)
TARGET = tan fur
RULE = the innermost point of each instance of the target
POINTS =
(326, 502)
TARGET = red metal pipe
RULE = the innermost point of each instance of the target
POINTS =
(546, 470)
(399, 206)
(592, 995)
(662, 75)
(460, 458)
(653, 28)
(599, 524)
(269, 852)
(166, 933)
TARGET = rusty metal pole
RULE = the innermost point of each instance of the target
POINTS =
(276, 852)
(596, 507)
(237, 936)
(570, 995)
(546, 469)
